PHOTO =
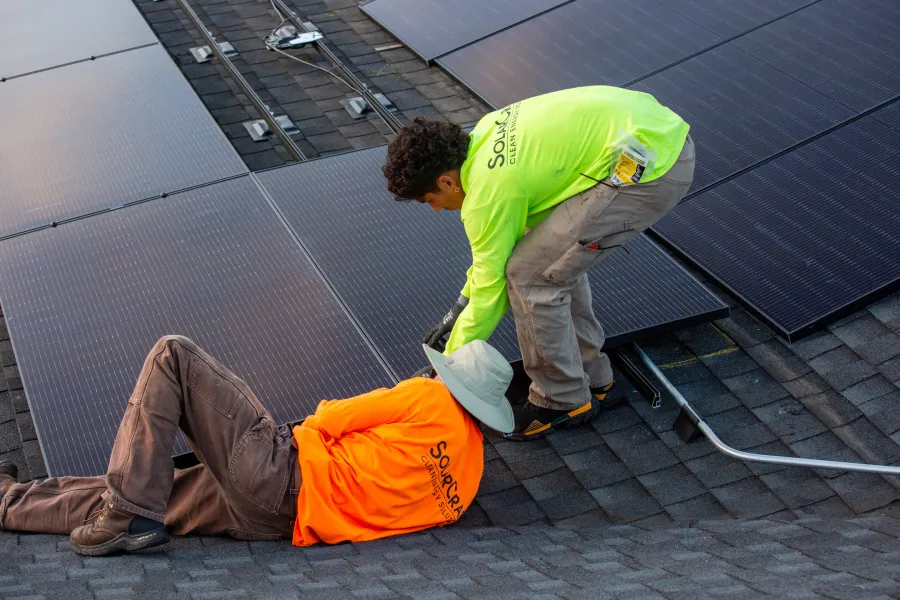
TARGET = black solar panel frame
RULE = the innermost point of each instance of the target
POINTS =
(85, 301)
(668, 233)
(338, 240)
(147, 132)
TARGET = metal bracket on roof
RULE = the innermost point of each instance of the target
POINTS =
(259, 130)
(690, 425)
(359, 108)
(202, 54)
(288, 37)
(637, 377)
(227, 49)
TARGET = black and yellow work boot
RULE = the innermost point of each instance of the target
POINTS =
(533, 422)
(114, 530)
(602, 397)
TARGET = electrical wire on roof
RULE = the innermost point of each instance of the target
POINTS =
(300, 60)
(309, 64)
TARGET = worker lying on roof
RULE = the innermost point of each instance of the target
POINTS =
(536, 164)
(388, 462)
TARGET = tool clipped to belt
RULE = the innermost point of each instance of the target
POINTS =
(629, 160)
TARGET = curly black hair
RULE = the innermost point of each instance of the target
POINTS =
(423, 150)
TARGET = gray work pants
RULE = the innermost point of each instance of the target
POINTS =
(559, 336)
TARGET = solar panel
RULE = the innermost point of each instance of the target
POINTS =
(806, 237)
(85, 301)
(102, 133)
(848, 49)
(733, 17)
(399, 266)
(890, 115)
(587, 42)
(741, 110)
(432, 28)
(39, 34)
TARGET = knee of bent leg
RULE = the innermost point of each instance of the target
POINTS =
(167, 340)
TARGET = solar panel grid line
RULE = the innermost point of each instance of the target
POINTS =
(154, 137)
(80, 60)
(696, 192)
(118, 207)
(84, 303)
(433, 28)
(36, 35)
(742, 32)
(834, 241)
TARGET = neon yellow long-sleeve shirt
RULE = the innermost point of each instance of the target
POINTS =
(529, 157)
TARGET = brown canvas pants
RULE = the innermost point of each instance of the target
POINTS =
(246, 486)
(546, 276)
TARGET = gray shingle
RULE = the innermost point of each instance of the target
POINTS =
(884, 412)
(832, 408)
(869, 442)
(640, 449)
(716, 469)
(815, 345)
(888, 312)
(779, 361)
(870, 338)
(747, 498)
(825, 446)
(755, 388)
(790, 420)
(704, 339)
(626, 501)
(842, 367)
(863, 492)
(808, 385)
(672, 485)
(597, 467)
(708, 396)
(740, 428)
(873, 387)
(797, 487)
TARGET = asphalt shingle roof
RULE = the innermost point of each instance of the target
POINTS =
(621, 508)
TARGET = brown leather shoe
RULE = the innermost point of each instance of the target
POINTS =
(114, 530)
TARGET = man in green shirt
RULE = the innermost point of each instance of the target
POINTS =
(583, 170)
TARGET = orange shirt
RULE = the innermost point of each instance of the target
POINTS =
(388, 462)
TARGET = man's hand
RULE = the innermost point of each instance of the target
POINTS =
(435, 337)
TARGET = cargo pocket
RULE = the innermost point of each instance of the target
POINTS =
(259, 469)
(583, 255)
(218, 390)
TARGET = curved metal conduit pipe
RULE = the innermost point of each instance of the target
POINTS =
(289, 143)
(688, 412)
(387, 116)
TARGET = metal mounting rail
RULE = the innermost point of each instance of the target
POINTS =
(387, 116)
(286, 139)
(690, 419)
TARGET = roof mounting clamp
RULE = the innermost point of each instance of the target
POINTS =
(286, 124)
(227, 49)
(359, 108)
(202, 54)
(289, 37)
(259, 130)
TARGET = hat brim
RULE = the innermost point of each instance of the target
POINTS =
(498, 417)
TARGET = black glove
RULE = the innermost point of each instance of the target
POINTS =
(426, 372)
(435, 337)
